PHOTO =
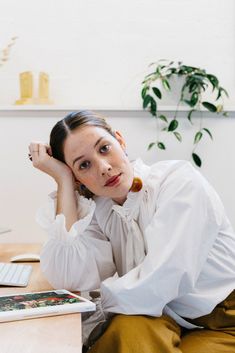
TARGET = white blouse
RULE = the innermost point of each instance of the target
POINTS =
(168, 249)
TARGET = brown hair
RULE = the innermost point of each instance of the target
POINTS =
(71, 122)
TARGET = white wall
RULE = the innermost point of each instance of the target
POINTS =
(97, 52)
(23, 188)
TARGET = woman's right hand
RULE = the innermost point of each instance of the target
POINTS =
(66, 199)
(42, 159)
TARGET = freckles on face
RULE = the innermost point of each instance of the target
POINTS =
(95, 156)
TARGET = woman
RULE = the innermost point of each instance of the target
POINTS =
(155, 240)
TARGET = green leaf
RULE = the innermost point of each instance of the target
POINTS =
(178, 136)
(147, 101)
(190, 115)
(193, 86)
(198, 137)
(144, 91)
(213, 80)
(203, 85)
(187, 102)
(151, 145)
(157, 92)
(219, 94)
(198, 78)
(186, 69)
(158, 70)
(153, 107)
(194, 99)
(166, 85)
(224, 90)
(161, 146)
(163, 117)
(173, 125)
(197, 159)
(208, 131)
(173, 70)
(211, 107)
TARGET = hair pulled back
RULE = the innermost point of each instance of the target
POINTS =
(71, 122)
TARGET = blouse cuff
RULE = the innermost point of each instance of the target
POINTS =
(55, 224)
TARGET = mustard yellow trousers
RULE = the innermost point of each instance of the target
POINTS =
(144, 334)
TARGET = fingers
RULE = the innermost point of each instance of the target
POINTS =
(34, 146)
(42, 149)
(33, 149)
(38, 149)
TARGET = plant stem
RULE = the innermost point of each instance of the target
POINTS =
(157, 129)
(198, 109)
(177, 108)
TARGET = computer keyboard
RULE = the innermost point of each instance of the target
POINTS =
(14, 274)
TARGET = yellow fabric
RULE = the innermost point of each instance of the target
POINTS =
(143, 334)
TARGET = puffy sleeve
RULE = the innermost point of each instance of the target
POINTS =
(78, 259)
(179, 237)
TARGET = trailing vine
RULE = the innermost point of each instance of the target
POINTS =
(196, 82)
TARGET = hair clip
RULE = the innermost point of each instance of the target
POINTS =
(137, 185)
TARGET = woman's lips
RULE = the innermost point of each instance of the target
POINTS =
(113, 180)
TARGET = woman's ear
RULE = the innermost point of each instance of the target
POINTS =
(82, 189)
(120, 139)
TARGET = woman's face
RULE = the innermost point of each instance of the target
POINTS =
(98, 161)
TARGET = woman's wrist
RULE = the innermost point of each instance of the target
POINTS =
(66, 201)
(65, 181)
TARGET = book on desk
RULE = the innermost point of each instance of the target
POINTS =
(39, 304)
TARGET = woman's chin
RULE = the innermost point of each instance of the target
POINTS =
(120, 197)
(119, 200)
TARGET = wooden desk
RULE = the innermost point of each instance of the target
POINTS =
(55, 334)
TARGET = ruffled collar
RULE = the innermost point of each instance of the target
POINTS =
(130, 208)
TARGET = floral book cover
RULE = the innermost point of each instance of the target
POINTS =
(29, 305)
(36, 300)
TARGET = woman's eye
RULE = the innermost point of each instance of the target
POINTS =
(105, 148)
(84, 165)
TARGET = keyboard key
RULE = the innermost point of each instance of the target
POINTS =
(14, 274)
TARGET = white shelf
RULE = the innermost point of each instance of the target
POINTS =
(74, 108)
(55, 111)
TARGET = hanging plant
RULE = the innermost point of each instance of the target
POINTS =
(196, 82)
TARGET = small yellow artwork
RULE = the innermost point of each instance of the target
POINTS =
(26, 89)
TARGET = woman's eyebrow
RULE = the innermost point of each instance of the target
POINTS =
(97, 142)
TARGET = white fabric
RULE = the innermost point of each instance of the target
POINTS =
(169, 249)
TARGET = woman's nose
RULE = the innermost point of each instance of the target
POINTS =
(105, 172)
(105, 167)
